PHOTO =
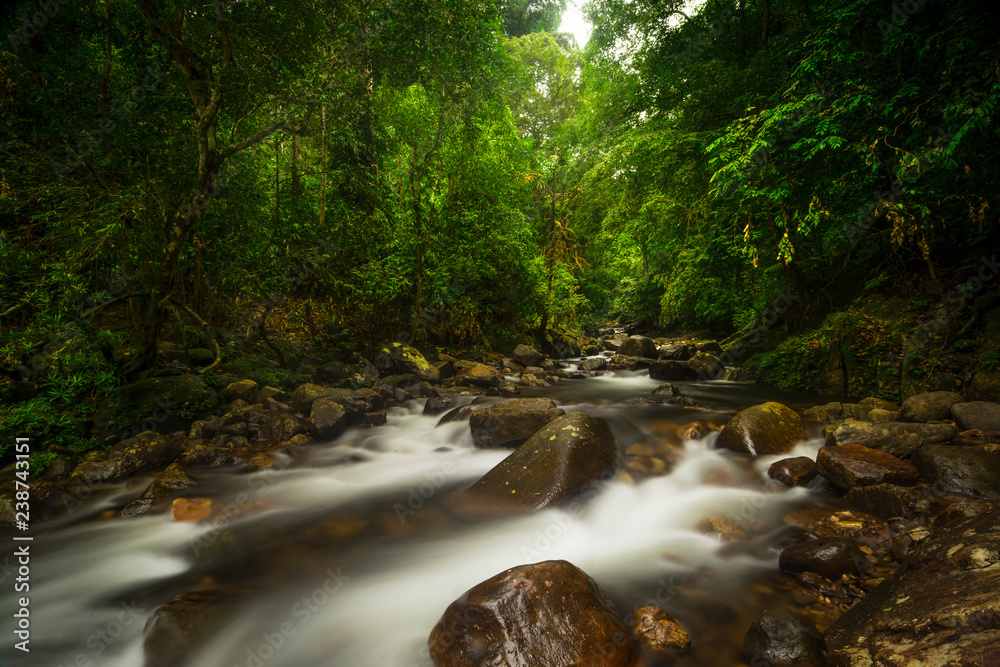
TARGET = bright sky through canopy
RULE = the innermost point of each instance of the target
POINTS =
(574, 22)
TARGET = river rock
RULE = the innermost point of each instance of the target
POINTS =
(614, 342)
(836, 411)
(939, 608)
(887, 501)
(243, 390)
(282, 427)
(894, 438)
(437, 405)
(167, 483)
(978, 415)
(967, 471)
(706, 366)
(327, 419)
(175, 631)
(783, 640)
(880, 416)
(559, 462)
(797, 471)
(851, 465)
(550, 613)
(671, 370)
(527, 356)
(827, 556)
(770, 428)
(531, 380)
(510, 423)
(478, 375)
(594, 364)
(658, 632)
(191, 510)
(666, 389)
(638, 346)
(963, 510)
(142, 453)
(931, 406)
(403, 359)
(675, 351)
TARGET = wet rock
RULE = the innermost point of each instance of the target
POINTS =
(245, 390)
(783, 640)
(879, 416)
(510, 423)
(169, 482)
(561, 461)
(966, 471)
(594, 364)
(281, 427)
(797, 471)
(671, 370)
(893, 438)
(770, 428)
(614, 342)
(836, 411)
(706, 366)
(550, 613)
(527, 355)
(304, 395)
(437, 405)
(146, 451)
(666, 389)
(887, 501)
(327, 419)
(377, 419)
(852, 465)
(479, 375)
(939, 608)
(191, 510)
(531, 380)
(963, 510)
(830, 557)
(675, 351)
(175, 631)
(931, 406)
(978, 415)
(638, 346)
(457, 414)
(658, 632)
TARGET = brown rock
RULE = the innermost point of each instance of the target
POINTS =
(191, 510)
(659, 632)
(245, 390)
(549, 613)
(510, 423)
(770, 428)
(853, 465)
(797, 471)
(930, 406)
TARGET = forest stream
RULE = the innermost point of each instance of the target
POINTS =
(345, 554)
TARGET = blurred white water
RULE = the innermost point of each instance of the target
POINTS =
(378, 609)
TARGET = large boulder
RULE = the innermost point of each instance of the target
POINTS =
(550, 613)
(556, 464)
(985, 385)
(527, 356)
(894, 438)
(931, 406)
(478, 375)
(967, 471)
(352, 401)
(326, 418)
(853, 465)
(142, 453)
(638, 346)
(666, 369)
(797, 471)
(594, 364)
(162, 404)
(675, 351)
(244, 390)
(403, 359)
(939, 608)
(830, 557)
(978, 415)
(510, 423)
(707, 366)
(770, 428)
(887, 501)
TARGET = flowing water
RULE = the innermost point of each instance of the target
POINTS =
(344, 555)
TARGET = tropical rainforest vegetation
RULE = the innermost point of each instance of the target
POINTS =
(335, 174)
